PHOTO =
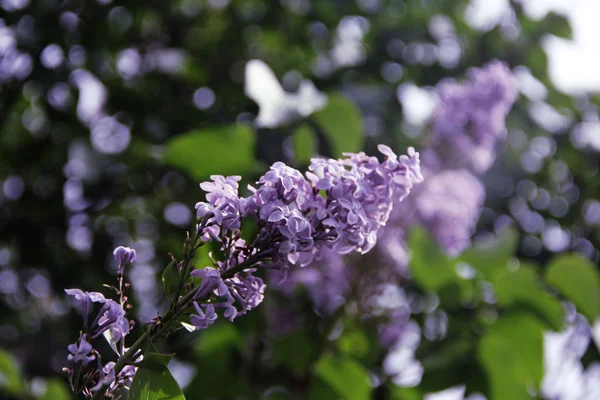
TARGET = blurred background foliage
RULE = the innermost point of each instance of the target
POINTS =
(112, 112)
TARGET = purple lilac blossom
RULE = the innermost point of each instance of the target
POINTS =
(124, 255)
(80, 352)
(470, 118)
(109, 321)
(339, 206)
(110, 317)
(467, 125)
(447, 204)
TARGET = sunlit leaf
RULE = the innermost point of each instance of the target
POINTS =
(226, 150)
(342, 124)
(404, 393)
(219, 337)
(354, 343)
(492, 254)
(523, 287)
(430, 266)
(305, 146)
(56, 390)
(11, 380)
(153, 380)
(578, 280)
(347, 377)
(511, 353)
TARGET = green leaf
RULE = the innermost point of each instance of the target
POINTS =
(153, 381)
(347, 377)
(218, 338)
(404, 393)
(11, 380)
(56, 390)
(342, 123)
(512, 355)
(217, 354)
(320, 390)
(523, 287)
(305, 146)
(577, 279)
(225, 150)
(557, 25)
(170, 280)
(354, 343)
(430, 266)
(492, 255)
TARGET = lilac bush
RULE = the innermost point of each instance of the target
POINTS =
(338, 206)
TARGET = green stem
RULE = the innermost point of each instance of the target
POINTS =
(165, 318)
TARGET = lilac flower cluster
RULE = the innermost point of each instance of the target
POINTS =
(447, 205)
(467, 125)
(110, 321)
(470, 118)
(340, 205)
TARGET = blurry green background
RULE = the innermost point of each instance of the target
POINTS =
(113, 112)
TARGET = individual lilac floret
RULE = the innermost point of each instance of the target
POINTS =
(205, 318)
(470, 118)
(80, 352)
(124, 255)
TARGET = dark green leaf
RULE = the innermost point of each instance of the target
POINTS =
(342, 123)
(153, 381)
(511, 353)
(226, 150)
(295, 350)
(523, 287)
(347, 377)
(11, 380)
(578, 280)
(557, 25)
(320, 390)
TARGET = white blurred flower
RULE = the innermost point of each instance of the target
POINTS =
(276, 106)
(453, 393)
(564, 376)
(400, 363)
